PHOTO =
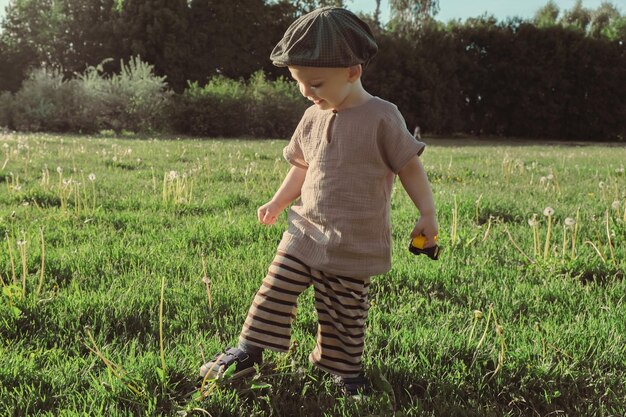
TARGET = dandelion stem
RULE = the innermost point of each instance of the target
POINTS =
(207, 283)
(546, 248)
(482, 338)
(22, 248)
(517, 246)
(14, 276)
(596, 249)
(455, 219)
(575, 234)
(161, 346)
(608, 236)
(117, 370)
(488, 229)
(43, 257)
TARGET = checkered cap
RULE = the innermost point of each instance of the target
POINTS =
(327, 37)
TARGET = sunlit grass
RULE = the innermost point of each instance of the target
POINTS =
(118, 277)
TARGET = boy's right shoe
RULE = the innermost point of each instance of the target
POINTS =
(217, 367)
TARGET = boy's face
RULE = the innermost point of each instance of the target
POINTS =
(328, 88)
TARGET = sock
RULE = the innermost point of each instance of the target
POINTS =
(255, 352)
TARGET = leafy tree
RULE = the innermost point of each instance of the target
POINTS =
(234, 39)
(602, 18)
(309, 5)
(158, 32)
(67, 34)
(578, 17)
(407, 14)
(547, 15)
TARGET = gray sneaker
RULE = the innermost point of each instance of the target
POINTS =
(218, 366)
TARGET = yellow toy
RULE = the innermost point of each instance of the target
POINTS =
(417, 247)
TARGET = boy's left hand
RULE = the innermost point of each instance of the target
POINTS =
(426, 226)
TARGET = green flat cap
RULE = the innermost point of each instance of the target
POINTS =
(328, 37)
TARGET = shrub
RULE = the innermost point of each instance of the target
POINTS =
(276, 107)
(217, 109)
(133, 100)
(46, 102)
(228, 108)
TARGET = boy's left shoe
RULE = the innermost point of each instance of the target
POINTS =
(357, 387)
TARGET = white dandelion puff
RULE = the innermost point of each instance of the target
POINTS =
(548, 211)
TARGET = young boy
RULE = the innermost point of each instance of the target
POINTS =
(344, 154)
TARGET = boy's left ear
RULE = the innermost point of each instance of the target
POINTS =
(354, 72)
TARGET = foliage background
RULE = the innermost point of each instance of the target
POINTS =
(559, 75)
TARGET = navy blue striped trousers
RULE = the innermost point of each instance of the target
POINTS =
(341, 303)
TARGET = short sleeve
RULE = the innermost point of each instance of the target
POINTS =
(293, 151)
(396, 144)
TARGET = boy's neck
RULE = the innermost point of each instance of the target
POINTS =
(357, 97)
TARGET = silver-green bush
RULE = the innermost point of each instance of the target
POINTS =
(132, 100)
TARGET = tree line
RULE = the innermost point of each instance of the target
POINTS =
(559, 75)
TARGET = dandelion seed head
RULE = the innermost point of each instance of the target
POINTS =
(569, 222)
(532, 222)
(233, 170)
(542, 180)
(550, 177)
(499, 330)
(114, 158)
(59, 170)
(172, 175)
(548, 211)
(92, 177)
(601, 184)
(478, 314)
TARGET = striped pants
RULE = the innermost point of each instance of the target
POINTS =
(341, 304)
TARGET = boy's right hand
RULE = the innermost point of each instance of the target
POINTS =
(269, 212)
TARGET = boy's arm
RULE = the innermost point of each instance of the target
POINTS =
(415, 182)
(288, 191)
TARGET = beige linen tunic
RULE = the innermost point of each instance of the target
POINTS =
(341, 222)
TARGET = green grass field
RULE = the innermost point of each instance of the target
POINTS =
(123, 262)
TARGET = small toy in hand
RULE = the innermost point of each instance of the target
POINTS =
(416, 247)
